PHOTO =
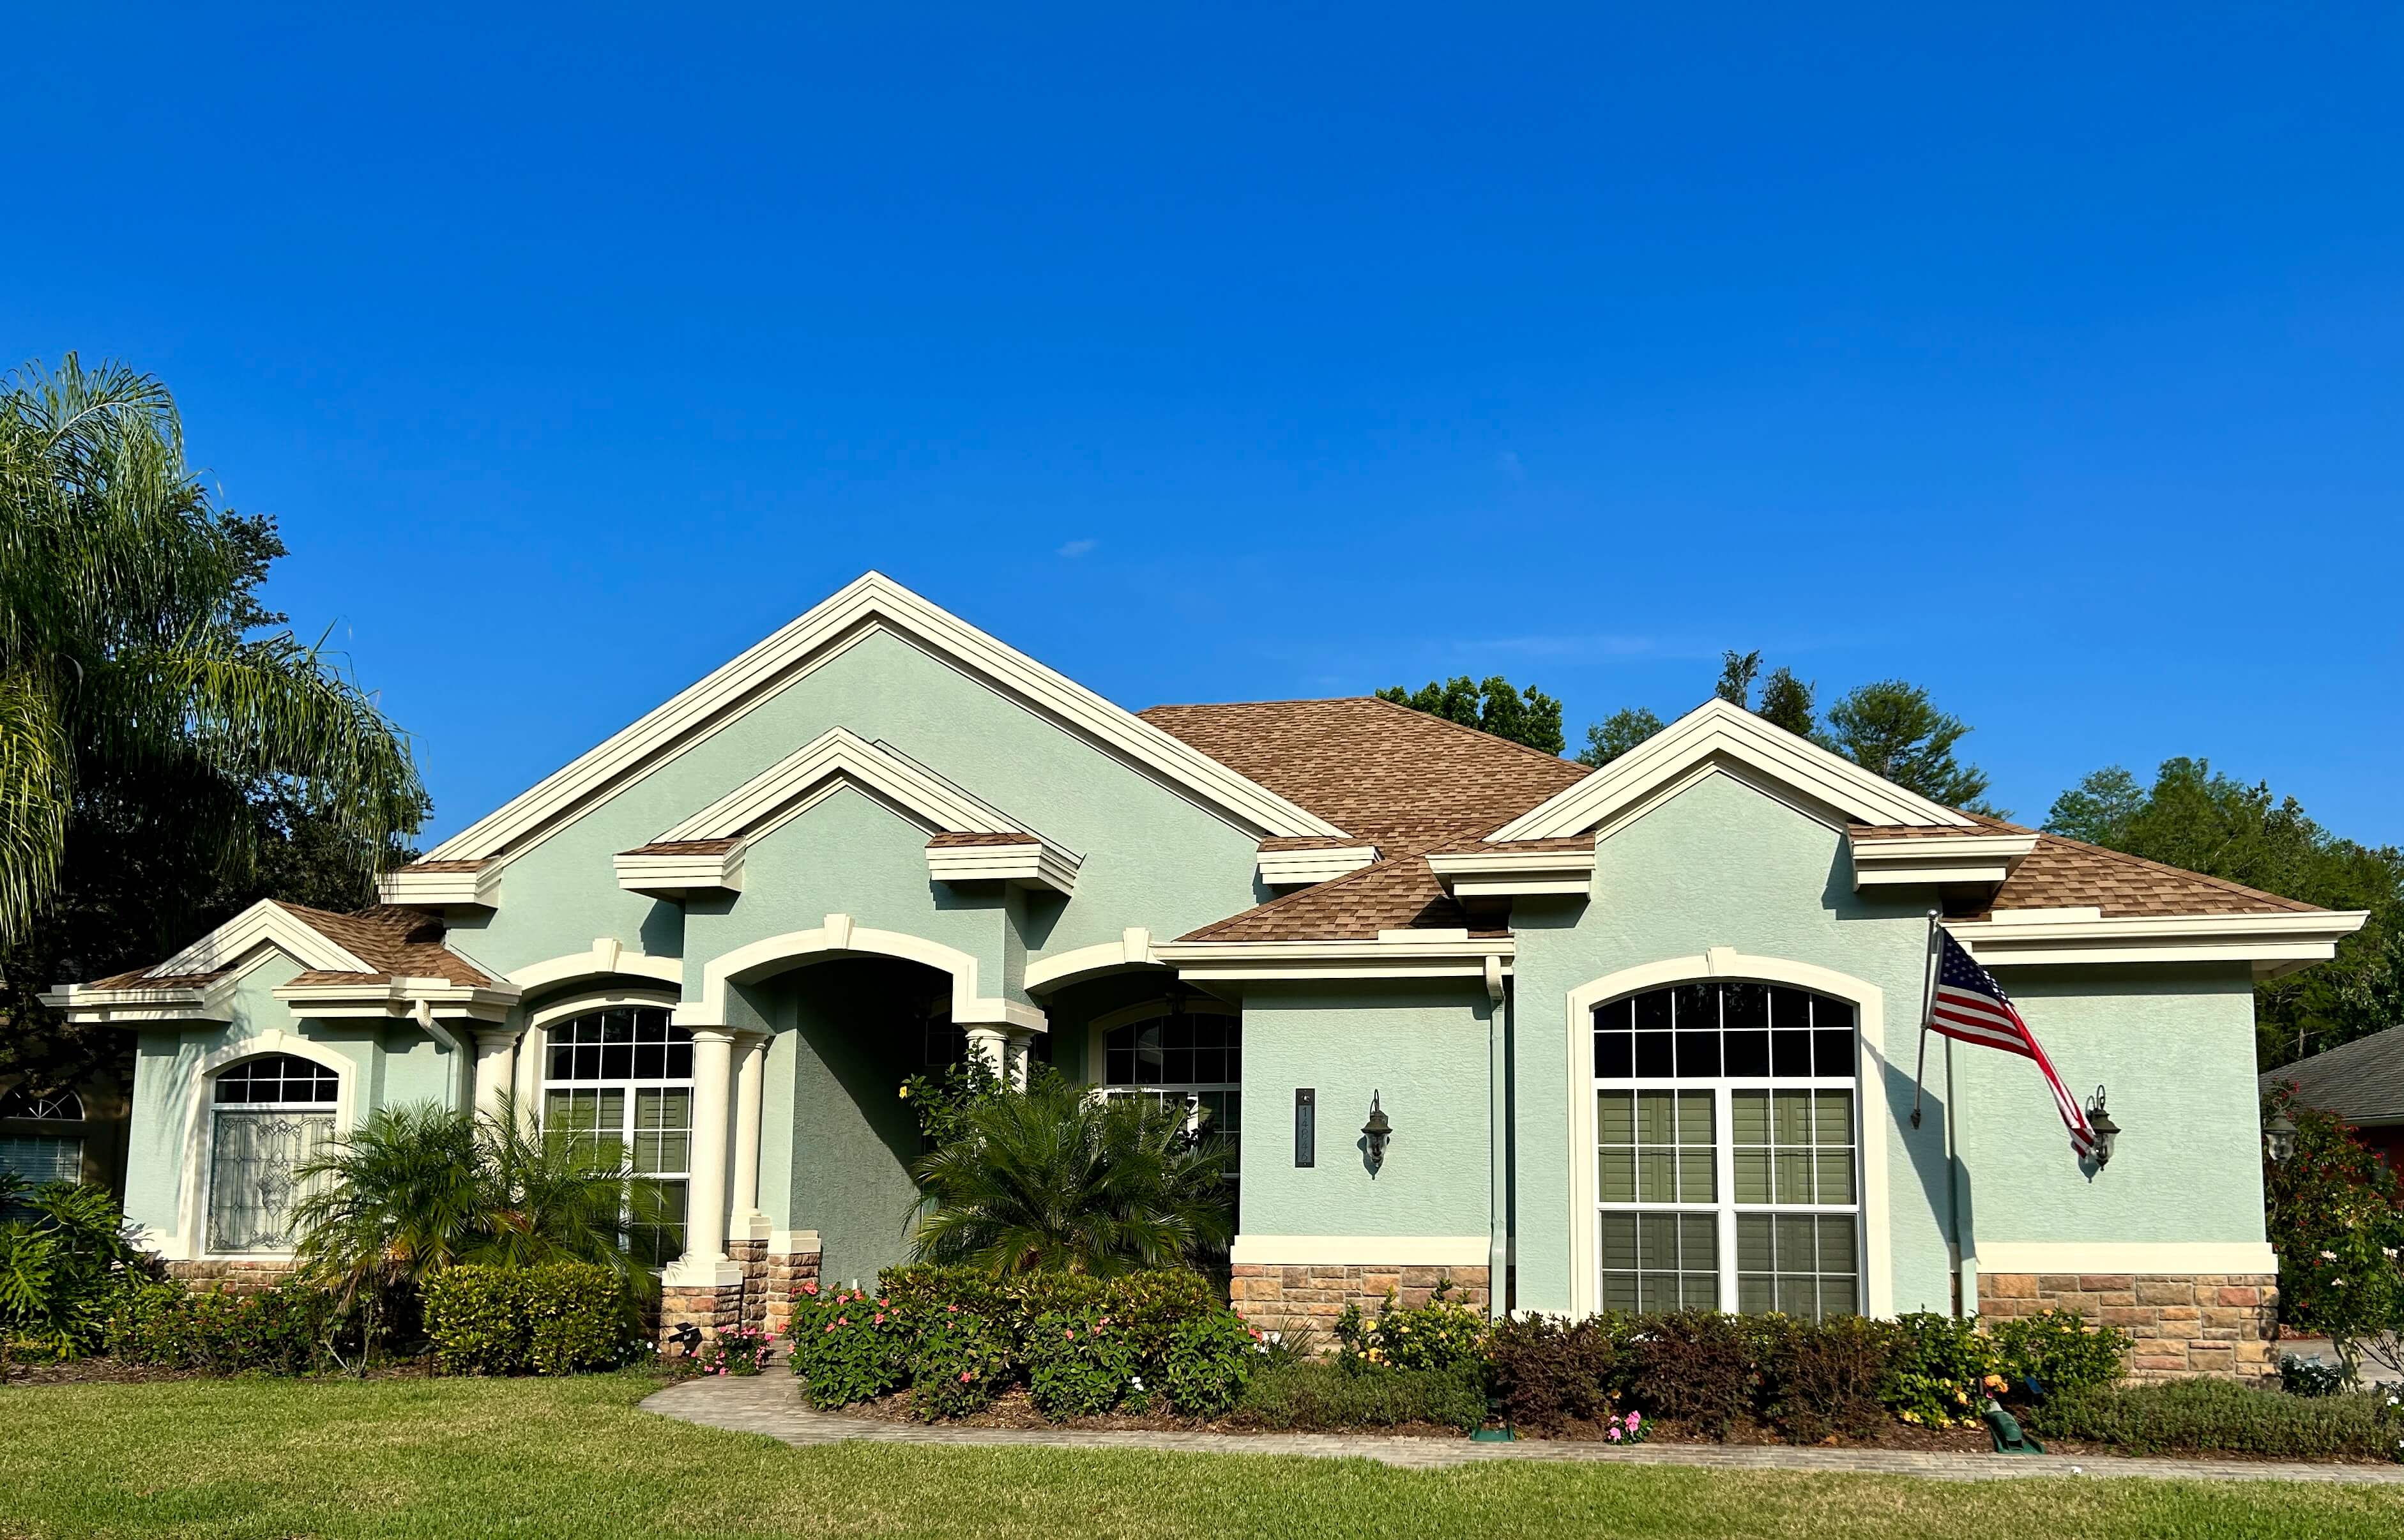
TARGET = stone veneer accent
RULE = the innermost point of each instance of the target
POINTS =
(2207, 1324)
(785, 1273)
(714, 1308)
(233, 1277)
(1309, 1296)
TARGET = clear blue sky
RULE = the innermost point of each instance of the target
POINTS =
(2052, 357)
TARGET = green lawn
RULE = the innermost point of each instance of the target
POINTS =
(574, 1458)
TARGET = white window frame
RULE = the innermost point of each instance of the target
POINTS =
(545, 1084)
(334, 1110)
(1191, 1090)
(1726, 964)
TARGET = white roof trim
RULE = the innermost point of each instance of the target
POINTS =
(1984, 858)
(782, 791)
(1718, 730)
(421, 999)
(1499, 872)
(1444, 955)
(869, 603)
(266, 923)
(1322, 863)
(2275, 944)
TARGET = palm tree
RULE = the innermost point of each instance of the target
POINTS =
(123, 607)
(1052, 1180)
(415, 1189)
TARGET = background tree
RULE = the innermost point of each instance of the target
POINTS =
(2195, 818)
(1892, 729)
(1788, 701)
(161, 763)
(1737, 670)
(1526, 716)
(1617, 734)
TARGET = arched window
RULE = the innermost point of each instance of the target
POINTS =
(1191, 1052)
(268, 1115)
(36, 1157)
(1728, 1159)
(621, 1081)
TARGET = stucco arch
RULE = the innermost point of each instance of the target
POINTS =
(191, 1194)
(1727, 962)
(839, 937)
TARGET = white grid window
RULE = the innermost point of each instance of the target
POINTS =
(1189, 1057)
(620, 1082)
(1728, 1150)
(270, 1115)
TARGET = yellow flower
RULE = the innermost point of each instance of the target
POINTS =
(905, 1093)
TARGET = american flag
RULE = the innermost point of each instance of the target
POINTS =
(1969, 1006)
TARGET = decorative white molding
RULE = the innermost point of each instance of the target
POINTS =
(2273, 943)
(1869, 1009)
(266, 923)
(263, 931)
(1133, 949)
(1917, 861)
(610, 957)
(1146, 1010)
(2125, 1256)
(400, 999)
(1504, 873)
(585, 1002)
(676, 874)
(870, 604)
(1032, 864)
(839, 936)
(1447, 956)
(769, 799)
(205, 1004)
(418, 888)
(1717, 732)
(790, 1242)
(1361, 1251)
(1306, 868)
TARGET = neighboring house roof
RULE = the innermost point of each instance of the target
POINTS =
(2361, 1082)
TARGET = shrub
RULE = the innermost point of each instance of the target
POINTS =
(2310, 1377)
(62, 1265)
(1435, 1336)
(1938, 1364)
(1697, 1366)
(1325, 1396)
(1079, 1365)
(1548, 1372)
(958, 1363)
(1825, 1378)
(738, 1350)
(2058, 1351)
(846, 1347)
(281, 1330)
(1205, 1360)
(2223, 1414)
(561, 1318)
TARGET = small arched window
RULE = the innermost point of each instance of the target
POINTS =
(271, 1114)
(36, 1157)
(1727, 1120)
(34, 1106)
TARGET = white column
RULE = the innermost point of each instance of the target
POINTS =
(495, 1059)
(991, 1043)
(750, 1083)
(704, 1262)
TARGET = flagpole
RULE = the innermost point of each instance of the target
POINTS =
(1927, 1005)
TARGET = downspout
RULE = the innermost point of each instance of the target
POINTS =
(462, 1059)
(1498, 1125)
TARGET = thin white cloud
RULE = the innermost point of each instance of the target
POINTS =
(1075, 549)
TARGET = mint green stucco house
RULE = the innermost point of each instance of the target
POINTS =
(1644, 1034)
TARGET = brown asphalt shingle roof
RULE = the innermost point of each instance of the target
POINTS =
(397, 942)
(953, 838)
(685, 847)
(2361, 1082)
(2065, 874)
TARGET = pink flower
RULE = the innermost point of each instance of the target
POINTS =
(1614, 1435)
(964, 1377)
(880, 1317)
(830, 1327)
(1068, 1331)
(809, 1288)
(843, 1321)
(1634, 1421)
(953, 1309)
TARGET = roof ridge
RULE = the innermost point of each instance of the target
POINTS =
(1463, 727)
(2151, 865)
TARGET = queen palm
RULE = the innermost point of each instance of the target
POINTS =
(1052, 1180)
(123, 653)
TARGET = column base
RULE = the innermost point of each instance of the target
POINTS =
(687, 1272)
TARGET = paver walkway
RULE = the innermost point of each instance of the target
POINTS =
(772, 1404)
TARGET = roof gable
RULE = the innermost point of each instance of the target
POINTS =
(1720, 737)
(835, 758)
(870, 604)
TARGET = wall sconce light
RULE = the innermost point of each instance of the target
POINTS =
(2105, 1129)
(2281, 1133)
(1378, 1130)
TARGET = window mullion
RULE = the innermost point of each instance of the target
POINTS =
(1723, 1164)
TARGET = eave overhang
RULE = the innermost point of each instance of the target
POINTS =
(443, 884)
(2273, 944)
(1030, 862)
(1980, 859)
(1396, 954)
(399, 1000)
(210, 1003)
(1500, 871)
(1296, 865)
(681, 869)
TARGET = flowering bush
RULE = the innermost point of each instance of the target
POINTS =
(2059, 1351)
(2335, 1220)
(1080, 1364)
(957, 1364)
(1939, 1366)
(845, 1346)
(1205, 1360)
(737, 1350)
(1435, 1336)
(1630, 1429)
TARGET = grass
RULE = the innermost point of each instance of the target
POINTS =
(574, 1458)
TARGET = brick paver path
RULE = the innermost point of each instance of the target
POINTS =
(772, 1404)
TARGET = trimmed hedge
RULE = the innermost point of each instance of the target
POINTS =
(1319, 1395)
(1082, 1346)
(2187, 1416)
(561, 1318)
(281, 1330)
